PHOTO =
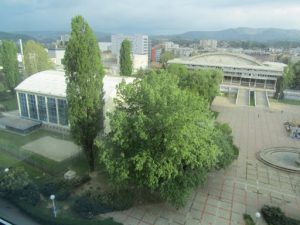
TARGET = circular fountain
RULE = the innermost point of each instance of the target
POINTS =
(284, 158)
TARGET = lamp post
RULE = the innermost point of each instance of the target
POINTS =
(52, 197)
(257, 215)
(6, 170)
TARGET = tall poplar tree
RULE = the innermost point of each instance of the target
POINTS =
(10, 64)
(36, 58)
(84, 76)
(125, 58)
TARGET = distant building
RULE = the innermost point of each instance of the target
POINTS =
(238, 69)
(56, 55)
(140, 62)
(62, 42)
(104, 46)
(208, 44)
(156, 52)
(139, 43)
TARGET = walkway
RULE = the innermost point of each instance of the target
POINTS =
(245, 186)
(243, 97)
(261, 99)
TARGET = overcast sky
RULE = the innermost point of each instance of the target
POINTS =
(151, 16)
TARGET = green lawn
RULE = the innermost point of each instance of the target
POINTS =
(286, 101)
(9, 101)
(252, 103)
(11, 154)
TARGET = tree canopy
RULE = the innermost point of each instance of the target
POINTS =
(10, 64)
(125, 58)
(84, 75)
(161, 138)
(36, 58)
(165, 57)
(204, 82)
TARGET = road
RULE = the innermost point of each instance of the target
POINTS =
(14, 215)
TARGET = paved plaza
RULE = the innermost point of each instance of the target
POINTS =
(246, 185)
(53, 148)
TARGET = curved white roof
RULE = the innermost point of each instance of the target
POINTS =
(53, 83)
(225, 58)
(49, 82)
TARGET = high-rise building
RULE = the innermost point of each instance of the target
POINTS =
(139, 43)
(208, 44)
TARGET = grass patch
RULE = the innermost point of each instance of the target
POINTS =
(252, 101)
(286, 101)
(248, 219)
(10, 148)
(8, 101)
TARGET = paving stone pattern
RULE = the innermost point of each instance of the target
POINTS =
(245, 186)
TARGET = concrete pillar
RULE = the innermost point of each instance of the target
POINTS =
(46, 102)
(57, 114)
(26, 95)
(231, 80)
(265, 83)
(240, 80)
(36, 105)
(18, 100)
(254, 82)
(275, 84)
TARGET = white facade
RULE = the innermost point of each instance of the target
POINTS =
(140, 62)
(56, 55)
(238, 69)
(139, 43)
(104, 46)
(208, 44)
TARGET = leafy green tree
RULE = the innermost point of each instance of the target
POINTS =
(203, 82)
(296, 72)
(36, 58)
(165, 57)
(10, 64)
(84, 75)
(161, 138)
(224, 139)
(125, 58)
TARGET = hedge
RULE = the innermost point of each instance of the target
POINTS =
(274, 216)
(45, 217)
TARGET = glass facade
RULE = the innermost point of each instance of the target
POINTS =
(46, 109)
(32, 107)
(62, 112)
(51, 103)
(23, 105)
(42, 108)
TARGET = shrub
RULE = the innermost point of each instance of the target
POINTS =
(248, 220)
(30, 194)
(89, 206)
(274, 216)
(78, 181)
(45, 217)
(13, 181)
(118, 200)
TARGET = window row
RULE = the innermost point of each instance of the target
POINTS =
(43, 108)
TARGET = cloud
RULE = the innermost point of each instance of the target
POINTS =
(155, 16)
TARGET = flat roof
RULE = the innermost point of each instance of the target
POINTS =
(53, 83)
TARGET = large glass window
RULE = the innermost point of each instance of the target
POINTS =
(42, 108)
(62, 111)
(32, 107)
(23, 105)
(52, 110)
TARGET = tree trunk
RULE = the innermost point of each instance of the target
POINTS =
(91, 160)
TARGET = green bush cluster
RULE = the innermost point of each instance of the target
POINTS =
(91, 204)
(248, 220)
(274, 216)
(45, 217)
(62, 188)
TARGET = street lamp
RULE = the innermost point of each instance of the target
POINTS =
(6, 170)
(52, 197)
(257, 215)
